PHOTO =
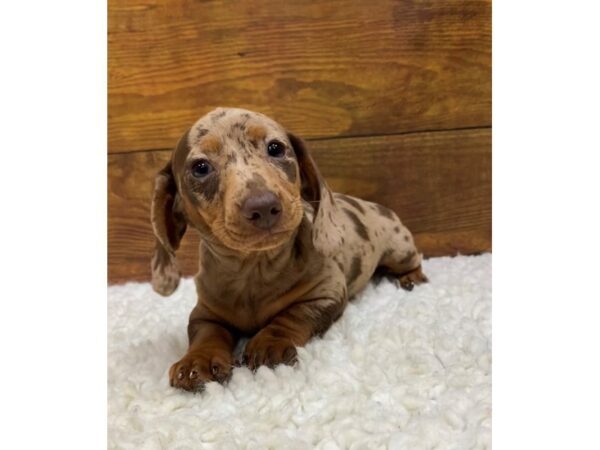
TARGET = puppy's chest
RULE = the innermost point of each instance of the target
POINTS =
(247, 298)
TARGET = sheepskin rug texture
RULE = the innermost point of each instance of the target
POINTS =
(399, 370)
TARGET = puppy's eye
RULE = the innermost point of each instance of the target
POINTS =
(201, 168)
(275, 149)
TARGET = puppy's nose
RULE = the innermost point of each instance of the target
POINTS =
(263, 209)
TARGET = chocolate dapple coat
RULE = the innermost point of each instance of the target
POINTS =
(280, 254)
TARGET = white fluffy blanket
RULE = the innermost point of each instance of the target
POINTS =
(399, 370)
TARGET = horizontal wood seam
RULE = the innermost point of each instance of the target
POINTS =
(333, 138)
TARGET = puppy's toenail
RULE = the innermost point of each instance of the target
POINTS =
(180, 376)
(214, 370)
(193, 374)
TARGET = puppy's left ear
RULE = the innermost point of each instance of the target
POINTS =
(326, 231)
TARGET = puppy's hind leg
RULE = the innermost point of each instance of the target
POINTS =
(402, 260)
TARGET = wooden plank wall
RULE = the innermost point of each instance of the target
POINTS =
(393, 97)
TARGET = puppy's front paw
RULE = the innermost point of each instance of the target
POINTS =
(194, 370)
(409, 279)
(266, 350)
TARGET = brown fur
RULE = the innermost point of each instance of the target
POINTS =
(358, 225)
(256, 133)
(281, 285)
(211, 144)
(352, 202)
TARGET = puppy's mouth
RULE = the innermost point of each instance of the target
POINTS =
(257, 239)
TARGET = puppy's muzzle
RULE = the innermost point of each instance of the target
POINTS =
(262, 209)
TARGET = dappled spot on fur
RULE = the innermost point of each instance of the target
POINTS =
(359, 227)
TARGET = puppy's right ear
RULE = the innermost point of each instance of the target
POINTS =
(168, 223)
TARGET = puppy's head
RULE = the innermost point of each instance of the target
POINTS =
(240, 179)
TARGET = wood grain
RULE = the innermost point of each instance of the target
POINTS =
(438, 182)
(323, 69)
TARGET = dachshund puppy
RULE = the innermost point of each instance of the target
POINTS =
(280, 253)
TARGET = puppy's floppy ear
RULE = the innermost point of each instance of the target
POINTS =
(168, 223)
(326, 231)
